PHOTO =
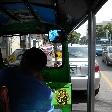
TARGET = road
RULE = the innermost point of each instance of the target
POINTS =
(103, 101)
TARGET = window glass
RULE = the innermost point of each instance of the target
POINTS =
(16, 49)
(54, 56)
(78, 52)
(110, 49)
(98, 47)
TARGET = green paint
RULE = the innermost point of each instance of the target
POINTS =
(59, 78)
(61, 74)
(62, 86)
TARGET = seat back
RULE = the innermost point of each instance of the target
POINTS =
(4, 99)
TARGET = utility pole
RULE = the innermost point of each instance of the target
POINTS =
(107, 34)
(110, 39)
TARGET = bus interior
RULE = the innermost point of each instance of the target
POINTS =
(24, 18)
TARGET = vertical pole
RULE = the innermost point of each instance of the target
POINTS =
(7, 46)
(24, 42)
(29, 40)
(55, 51)
(91, 61)
(110, 39)
(107, 34)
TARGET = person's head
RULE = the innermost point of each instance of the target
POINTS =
(34, 59)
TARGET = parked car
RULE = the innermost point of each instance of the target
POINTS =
(107, 55)
(98, 50)
(78, 59)
(104, 48)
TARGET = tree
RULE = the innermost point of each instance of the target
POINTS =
(83, 40)
(74, 37)
(108, 27)
(100, 31)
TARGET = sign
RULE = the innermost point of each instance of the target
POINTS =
(59, 54)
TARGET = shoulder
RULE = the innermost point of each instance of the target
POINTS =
(44, 88)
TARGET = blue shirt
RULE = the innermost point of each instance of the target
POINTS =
(26, 93)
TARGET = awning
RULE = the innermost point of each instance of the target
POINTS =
(39, 16)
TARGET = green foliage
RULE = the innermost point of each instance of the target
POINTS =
(73, 37)
(108, 27)
(102, 29)
(83, 40)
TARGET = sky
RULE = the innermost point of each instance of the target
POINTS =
(104, 14)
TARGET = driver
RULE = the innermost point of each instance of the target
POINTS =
(26, 88)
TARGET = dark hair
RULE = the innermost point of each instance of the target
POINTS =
(34, 58)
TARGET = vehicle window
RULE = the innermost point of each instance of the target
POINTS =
(110, 49)
(104, 48)
(98, 47)
(78, 52)
(54, 57)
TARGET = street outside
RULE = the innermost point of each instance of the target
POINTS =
(103, 101)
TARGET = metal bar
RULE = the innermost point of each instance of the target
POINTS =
(56, 8)
(8, 13)
(29, 7)
(83, 20)
(43, 5)
(91, 62)
(55, 51)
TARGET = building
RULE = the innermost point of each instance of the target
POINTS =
(104, 23)
(9, 43)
